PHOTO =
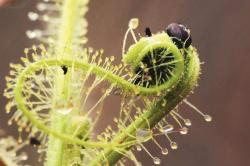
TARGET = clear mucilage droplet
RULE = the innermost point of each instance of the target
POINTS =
(138, 148)
(23, 156)
(173, 145)
(31, 34)
(157, 161)
(133, 23)
(207, 118)
(41, 6)
(184, 130)
(187, 122)
(164, 151)
(166, 129)
(33, 16)
(143, 135)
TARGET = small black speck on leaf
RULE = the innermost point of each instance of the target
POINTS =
(148, 32)
(65, 69)
(34, 141)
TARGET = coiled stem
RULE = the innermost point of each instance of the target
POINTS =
(153, 114)
(157, 110)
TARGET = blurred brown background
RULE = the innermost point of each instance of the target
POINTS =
(221, 32)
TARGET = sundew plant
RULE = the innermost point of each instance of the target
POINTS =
(50, 91)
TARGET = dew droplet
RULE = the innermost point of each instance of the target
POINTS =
(41, 6)
(164, 151)
(115, 120)
(173, 145)
(157, 161)
(184, 130)
(207, 118)
(133, 23)
(143, 135)
(33, 16)
(91, 50)
(138, 148)
(23, 156)
(30, 34)
(166, 129)
(10, 122)
(187, 122)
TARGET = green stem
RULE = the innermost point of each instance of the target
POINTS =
(66, 32)
(56, 146)
(156, 112)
